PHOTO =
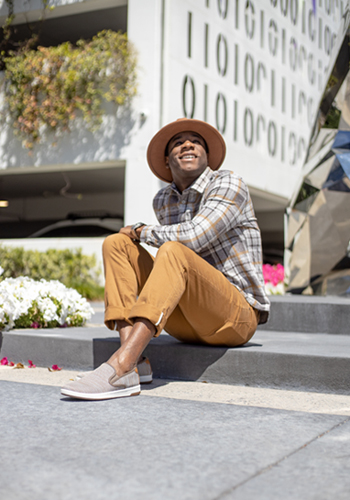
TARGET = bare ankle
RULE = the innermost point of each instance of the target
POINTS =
(124, 330)
(130, 352)
(122, 364)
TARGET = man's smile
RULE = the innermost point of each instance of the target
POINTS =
(187, 156)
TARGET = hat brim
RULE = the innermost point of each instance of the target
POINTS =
(157, 146)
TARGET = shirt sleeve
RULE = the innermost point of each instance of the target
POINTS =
(222, 209)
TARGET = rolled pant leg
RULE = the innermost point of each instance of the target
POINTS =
(193, 301)
(127, 266)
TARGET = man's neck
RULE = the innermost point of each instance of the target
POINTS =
(185, 183)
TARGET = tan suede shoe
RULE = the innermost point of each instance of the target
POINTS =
(103, 383)
(144, 368)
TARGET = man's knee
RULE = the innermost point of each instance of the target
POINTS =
(172, 249)
(114, 241)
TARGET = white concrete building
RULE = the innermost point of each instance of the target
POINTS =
(254, 69)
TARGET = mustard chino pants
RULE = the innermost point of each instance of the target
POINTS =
(178, 291)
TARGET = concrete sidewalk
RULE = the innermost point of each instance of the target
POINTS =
(177, 440)
(279, 427)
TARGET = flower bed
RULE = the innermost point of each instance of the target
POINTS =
(69, 266)
(26, 303)
(274, 279)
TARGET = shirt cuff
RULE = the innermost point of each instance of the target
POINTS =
(146, 236)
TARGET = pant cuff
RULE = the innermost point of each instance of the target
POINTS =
(155, 316)
(113, 314)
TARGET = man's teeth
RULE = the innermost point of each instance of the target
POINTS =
(186, 157)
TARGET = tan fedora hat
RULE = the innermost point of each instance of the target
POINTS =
(157, 146)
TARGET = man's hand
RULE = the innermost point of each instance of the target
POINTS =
(134, 235)
(128, 231)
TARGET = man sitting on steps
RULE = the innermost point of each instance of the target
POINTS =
(205, 285)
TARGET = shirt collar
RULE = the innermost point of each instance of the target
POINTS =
(199, 184)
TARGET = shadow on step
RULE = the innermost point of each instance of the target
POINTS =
(169, 357)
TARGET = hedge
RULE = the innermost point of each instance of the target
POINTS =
(70, 267)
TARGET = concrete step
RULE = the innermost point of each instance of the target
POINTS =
(294, 313)
(298, 313)
(286, 360)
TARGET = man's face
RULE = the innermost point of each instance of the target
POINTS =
(187, 158)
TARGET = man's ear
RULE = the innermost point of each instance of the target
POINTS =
(208, 163)
(167, 162)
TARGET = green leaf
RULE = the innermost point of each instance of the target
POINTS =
(44, 88)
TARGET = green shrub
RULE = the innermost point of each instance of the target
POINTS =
(45, 89)
(70, 267)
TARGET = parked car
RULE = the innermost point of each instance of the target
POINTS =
(76, 225)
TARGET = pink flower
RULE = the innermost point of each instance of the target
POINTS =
(55, 368)
(273, 274)
(35, 324)
(6, 362)
(31, 364)
(267, 271)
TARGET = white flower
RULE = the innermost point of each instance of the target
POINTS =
(1, 270)
(24, 301)
(274, 290)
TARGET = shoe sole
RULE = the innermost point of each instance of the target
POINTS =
(121, 393)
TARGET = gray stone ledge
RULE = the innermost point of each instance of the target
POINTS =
(288, 360)
(298, 313)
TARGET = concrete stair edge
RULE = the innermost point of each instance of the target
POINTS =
(297, 313)
(304, 362)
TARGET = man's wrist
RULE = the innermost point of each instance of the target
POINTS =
(137, 228)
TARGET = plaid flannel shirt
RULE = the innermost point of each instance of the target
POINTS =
(214, 217)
